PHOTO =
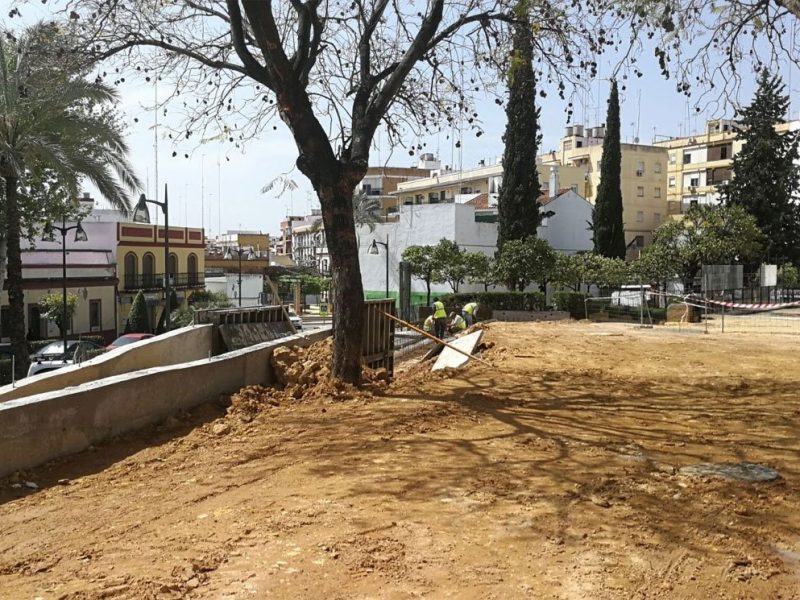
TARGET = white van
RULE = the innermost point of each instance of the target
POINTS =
(630, 295)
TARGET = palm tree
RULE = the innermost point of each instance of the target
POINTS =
(366, 210)
(52, 120)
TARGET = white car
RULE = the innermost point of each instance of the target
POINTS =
(53, 357)
(295, 319)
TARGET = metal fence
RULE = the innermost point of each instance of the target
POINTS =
(155, 281)
(377, 346)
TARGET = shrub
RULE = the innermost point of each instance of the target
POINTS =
(491, 301)
(139, 318)
(36, 345)
(572, 302)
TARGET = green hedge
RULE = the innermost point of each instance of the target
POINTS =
(528, 301)
(36, 345)
(572, 302)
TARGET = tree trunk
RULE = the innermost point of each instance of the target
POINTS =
(428, 285)
(16, 299)
(336, 200)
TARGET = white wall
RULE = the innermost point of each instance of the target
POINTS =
(252, 286)
(426, 224)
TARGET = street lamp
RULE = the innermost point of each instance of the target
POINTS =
(373, 249)
(48, 235)
(142, 215)
(240, 251)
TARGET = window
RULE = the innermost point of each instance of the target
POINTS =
(694, 181)
(723, 153)
(418, 199)
(433, 198)
(640, 168)
(640, 191)
(148, 270)
(640, 216)
(191, 267)
(657, 192)
(639, 241)
(687, 158)
(172, 265)
(672, 158)
(131, 270)
(95, 316)
(579, 144)
(672, 181)
(657, 167)
(568, 145)
(656, 218)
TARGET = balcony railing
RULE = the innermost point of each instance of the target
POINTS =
(155, 281)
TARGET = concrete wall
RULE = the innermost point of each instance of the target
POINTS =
(40, 428)
(181, 345)
(567, 230)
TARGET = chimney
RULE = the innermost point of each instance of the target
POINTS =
(553, 181)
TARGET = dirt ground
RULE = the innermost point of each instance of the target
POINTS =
(552, 473)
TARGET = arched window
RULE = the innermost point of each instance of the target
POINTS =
(172, 265)
(148, 270)
(131, 270)
(191, 267)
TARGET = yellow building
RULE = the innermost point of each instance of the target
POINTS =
(140, 265)
(698, 164)
(643, 179)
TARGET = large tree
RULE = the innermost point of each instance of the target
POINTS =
(421, 263)
(518, 211)
(607, 224)
(334, 72)
(55, 122)
(707, 235)
(524, 261)
(766, 171)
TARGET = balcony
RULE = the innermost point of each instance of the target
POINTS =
(155, 281)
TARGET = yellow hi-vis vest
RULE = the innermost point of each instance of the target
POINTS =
(428, 325)
(459, 324)
(438, 310)
(470, 308)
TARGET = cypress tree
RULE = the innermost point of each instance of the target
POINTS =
(518, 212)
(766, 174)
(138, 319)
(607, 225)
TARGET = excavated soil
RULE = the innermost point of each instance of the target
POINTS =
(556, 472)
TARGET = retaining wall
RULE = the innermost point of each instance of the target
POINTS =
(182, 345)
(39, 428)
(524, 315)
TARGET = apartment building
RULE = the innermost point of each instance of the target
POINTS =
(643, 179)
(460, 187)
(698, 164)
(382, 182)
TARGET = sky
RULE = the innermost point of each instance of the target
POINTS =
(219, 187)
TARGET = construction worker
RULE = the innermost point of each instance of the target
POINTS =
(428, 324)
(439, 318)
(457, 323)
(468, 312)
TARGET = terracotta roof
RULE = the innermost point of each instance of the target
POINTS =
(544, 198)
(480, 201)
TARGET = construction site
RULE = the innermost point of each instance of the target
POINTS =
(567, 460)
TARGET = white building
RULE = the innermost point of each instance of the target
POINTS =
(228, 283)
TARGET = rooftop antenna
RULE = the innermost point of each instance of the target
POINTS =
(638, 114)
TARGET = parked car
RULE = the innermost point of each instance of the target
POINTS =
(128, 338)
(53, 357)
(295, 319)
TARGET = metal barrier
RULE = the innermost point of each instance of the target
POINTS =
(238, 316)
(377, 346)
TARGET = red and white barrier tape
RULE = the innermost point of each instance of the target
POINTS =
(741, 306)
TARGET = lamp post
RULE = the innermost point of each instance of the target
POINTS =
(373, 249)
(48, 236)
(142, 215)
(240, 251)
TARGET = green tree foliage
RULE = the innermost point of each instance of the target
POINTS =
(606, 272)
(52, 307)
(518, 211)
(572, 270)
(139, 317)
(58, 123)
(480, 269)
(789, 277)
(420, 262)
(521, 262)
(707, 235)
(450, 264)
(766, 171)
(607, 224)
